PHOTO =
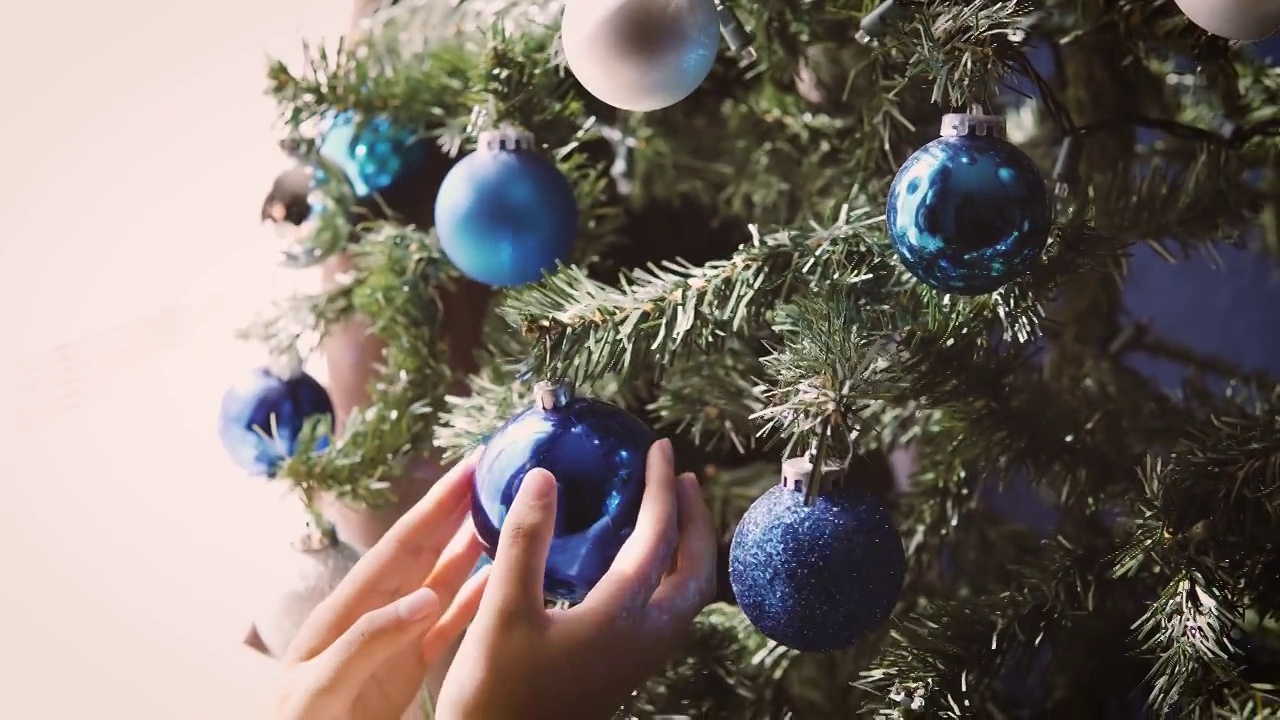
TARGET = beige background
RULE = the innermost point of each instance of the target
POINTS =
(137, 147)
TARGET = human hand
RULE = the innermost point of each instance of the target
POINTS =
(364, 653)
(519, 660)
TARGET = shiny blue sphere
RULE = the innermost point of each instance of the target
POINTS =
(817, 578)
(968, 214)
(373, 154)
(262, 403)
(596, 451)
(504, 217)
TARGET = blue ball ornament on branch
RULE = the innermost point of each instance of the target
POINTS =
(596, 451)
(505, 214)
(372, 153)
(816, 577)
(263, 418)
(969, 212)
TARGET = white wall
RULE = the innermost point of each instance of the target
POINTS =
(137, 148)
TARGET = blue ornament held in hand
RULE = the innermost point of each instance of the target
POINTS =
(506, 214)
(373, 154)
(820, 577)
(596, 451)
(262, 417)
(969, 212)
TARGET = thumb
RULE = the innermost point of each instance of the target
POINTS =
(358, 653)
(515, 580)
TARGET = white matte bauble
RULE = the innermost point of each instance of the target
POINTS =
(302, 576)
(640, 54)
(1246, 20)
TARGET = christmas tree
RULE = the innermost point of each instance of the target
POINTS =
(774, 255)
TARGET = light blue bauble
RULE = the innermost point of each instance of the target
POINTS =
(640, 55)
(505, 216)
(373, 154)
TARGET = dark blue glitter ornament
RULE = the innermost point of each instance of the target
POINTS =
(596, 451)
(262, 416)
(969, 212)
(506, 214)
(373, 154)
(821, 577)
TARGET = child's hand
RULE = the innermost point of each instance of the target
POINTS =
(365, 651)
(519, 660)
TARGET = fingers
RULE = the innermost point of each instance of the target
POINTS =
(342, 669)
(692, 582)
(456, 564)
(646, 555)
(456, 619)
(421, 534)
(515, 582)
(396, 564)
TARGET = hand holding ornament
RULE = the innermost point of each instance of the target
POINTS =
(520, 660)
(366, 650)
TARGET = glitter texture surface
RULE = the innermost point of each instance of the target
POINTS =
(817, 578)
(373, 154)
(596, 451)
(262, 403)
(968, 214)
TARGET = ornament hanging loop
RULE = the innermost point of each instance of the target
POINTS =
(550, 395)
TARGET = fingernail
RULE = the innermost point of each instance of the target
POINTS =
(538, 485)
(669, 452)
(418, 604)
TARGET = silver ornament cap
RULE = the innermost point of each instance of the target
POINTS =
(507, 137)
(552, 394)
(974, 122)
(798, 475)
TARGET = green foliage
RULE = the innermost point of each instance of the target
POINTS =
(811, 336)
(728, 670)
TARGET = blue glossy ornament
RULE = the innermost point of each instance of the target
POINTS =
(262, 416)
(505, 214)
(816, 578)
(373, 154)
(969, 213)
(596, 451)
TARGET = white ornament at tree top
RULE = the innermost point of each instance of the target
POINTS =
(1245, 20)
(640, 55)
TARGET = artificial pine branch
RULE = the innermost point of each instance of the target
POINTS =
(711, 399)
(1210, 522)
(583, 328)
(398, 276)
(859, 352)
